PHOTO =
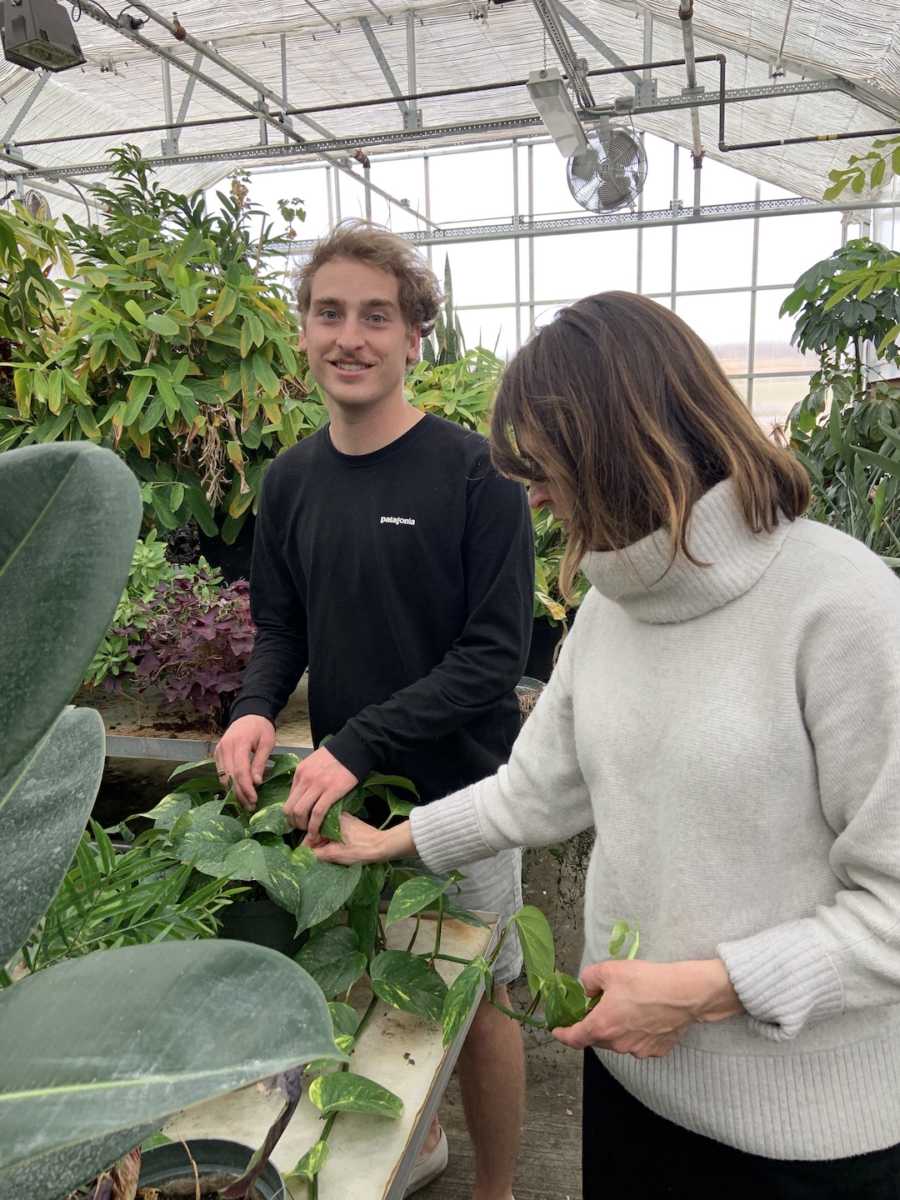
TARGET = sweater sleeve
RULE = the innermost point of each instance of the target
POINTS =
(486, 660)
(846, 955)
(539, 797)
(279, 655)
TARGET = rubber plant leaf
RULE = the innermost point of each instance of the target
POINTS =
(71, 514)
(102, 1050)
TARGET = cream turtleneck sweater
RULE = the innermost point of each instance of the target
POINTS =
(733, 734)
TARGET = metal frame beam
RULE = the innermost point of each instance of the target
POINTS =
(25, 107)
(366, 26)
(593, 40)
(590, 222)
(413, 117)
(565, 52)
(396, 137)
(103, 17)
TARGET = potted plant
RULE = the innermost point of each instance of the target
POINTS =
(846, 430)
(98, 1050)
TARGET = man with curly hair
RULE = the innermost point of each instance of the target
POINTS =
(392, 561)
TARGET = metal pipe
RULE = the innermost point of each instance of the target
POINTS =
(686, 14)
(737, 96)
(25, 107)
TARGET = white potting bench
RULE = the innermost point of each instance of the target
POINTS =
(370, 1158)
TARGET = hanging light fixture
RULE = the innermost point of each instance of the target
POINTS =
(39, 35)
(554, 104)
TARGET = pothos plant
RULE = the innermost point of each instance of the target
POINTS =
(343, 923)
(177, 350)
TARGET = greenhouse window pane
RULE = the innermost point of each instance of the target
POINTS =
(481, 272)
(471, 187)
(774, 398)
(740, 385)
(723, 321)
(311, 185)
(405, 179)
(493, 328)
(774, 351)
(788, 246)
(656, 260)
(658, 187)
(551, 188)
(580, 264)
(719, 183)
(714, 255)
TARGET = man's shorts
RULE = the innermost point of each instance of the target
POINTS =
(495, 885)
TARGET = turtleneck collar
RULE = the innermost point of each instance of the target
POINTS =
(637, 577)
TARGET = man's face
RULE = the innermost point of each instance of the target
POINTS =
(355, 335)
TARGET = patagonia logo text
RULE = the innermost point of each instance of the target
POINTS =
(398, 521)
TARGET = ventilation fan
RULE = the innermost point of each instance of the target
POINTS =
(38, 205)
(611, 172)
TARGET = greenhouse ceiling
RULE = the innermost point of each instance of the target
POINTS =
(792, 70)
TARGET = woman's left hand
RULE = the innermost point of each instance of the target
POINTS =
(646, 1007)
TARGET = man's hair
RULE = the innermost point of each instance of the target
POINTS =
(361, 241)
(626, 412)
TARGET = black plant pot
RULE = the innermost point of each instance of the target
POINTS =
(262, 922)
(544, 639)
(234, 560)
(218, 1164)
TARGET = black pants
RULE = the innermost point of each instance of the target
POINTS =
(628, 1151)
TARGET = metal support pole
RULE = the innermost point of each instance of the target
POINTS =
(263, 127)
(754, 280)
(646, 93)
(337, 197)
(686, 13)
(187, 95)
(531, 239)
(375, 46)
(328, 174)
(413, 117)
(676, 205)
(517, 244)
(284, 85)
(639, 282)
(575, 68)
(25, 107)
(368, 190)
(427, 166)
(593, 40)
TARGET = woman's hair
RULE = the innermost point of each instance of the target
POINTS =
(361, 241)
(623, 408)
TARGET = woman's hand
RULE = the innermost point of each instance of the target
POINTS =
(645, 1007)
(364, 843)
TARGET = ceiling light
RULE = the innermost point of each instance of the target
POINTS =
(38, 34)
(552, 100)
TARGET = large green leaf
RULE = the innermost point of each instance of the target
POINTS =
(405, 981)
(347, 1092)
(45, 802)
(102, 1048)
(462, 995)
(71, 513)
(324, 889)
(536, 940)
(333, 959)
(363, 907)
(411, 897)
(565, 1000)
(285, 876)
(312, 1162)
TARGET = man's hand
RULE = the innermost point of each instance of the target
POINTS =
(319, 781)
(242, 754)
(364, 843)
(646, 1007)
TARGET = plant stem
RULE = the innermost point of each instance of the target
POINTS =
(516, 1016)
(438, 930)
(448, 958)
(415, 934)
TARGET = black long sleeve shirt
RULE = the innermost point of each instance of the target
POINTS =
(403, 579)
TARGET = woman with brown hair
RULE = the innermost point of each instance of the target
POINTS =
(724, 713)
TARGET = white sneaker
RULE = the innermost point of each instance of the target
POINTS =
(428, 1166)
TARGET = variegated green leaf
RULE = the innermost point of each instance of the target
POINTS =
(348, 1092)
